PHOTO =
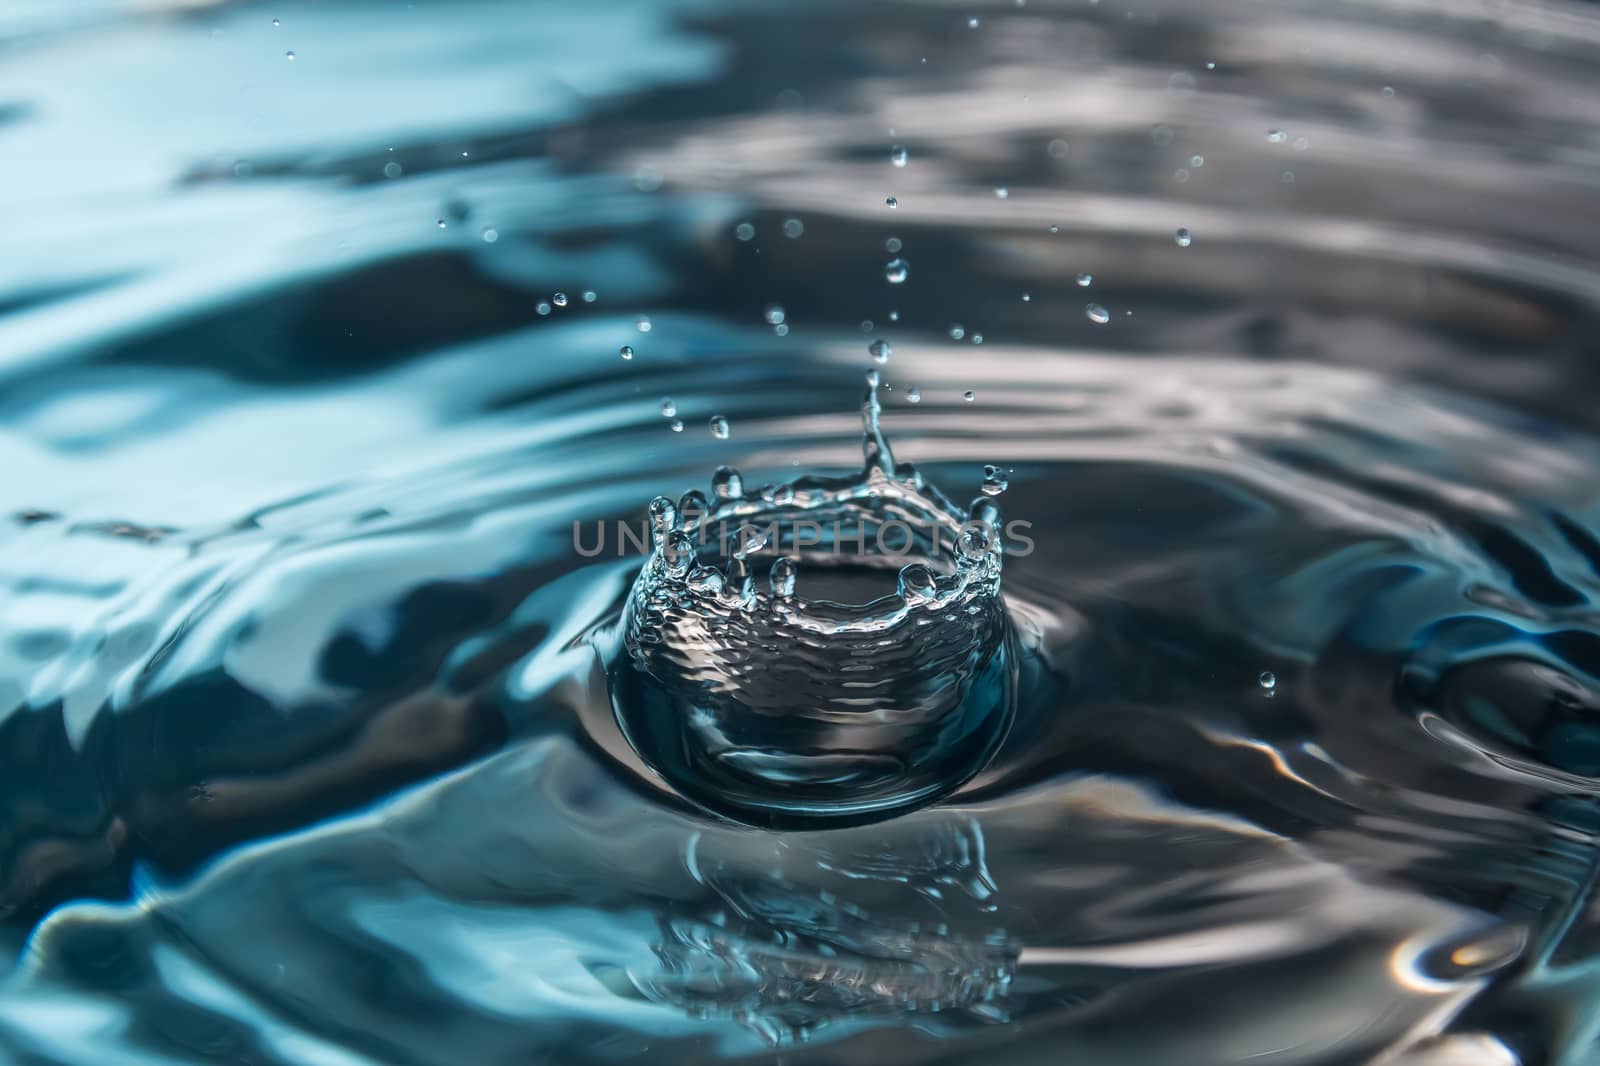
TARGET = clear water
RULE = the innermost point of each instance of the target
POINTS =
(315, 724)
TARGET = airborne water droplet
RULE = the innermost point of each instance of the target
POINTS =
(289, 56)
(995, 481)
(1085, 280)
(1268, 680)
(1097, 313)
(898, 156)
(1276, 136)
(626, 351)
(896, 271)
(774, 314)
(642, 324)
(1001, 192)
(957, 331)
(914, 395)
(1183, 238)
(793, 228)
(559, 299)
(892, 202)
(880, 350)
(668, 407)
(969, 396)
(719, 427)
(744, 231)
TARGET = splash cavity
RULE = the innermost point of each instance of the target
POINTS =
(829, 651)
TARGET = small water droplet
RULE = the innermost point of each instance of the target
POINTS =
(793, 228)
(914, 395)
(1026, 298)
(668, 407)
(896, 271)
(898, 156)
(1097, 313)
(1183, 238)
(1055, 229)
(894, 316)
(977, 338)
(1388, 90)
(1268, 680)
(1197, 161)
(289, 56)
(1001, 192)
(972, 23)
(441, 223)
(995, 481)
(1085, 280)
(891, 201)
(559, 299)
(892, 245)
(957, 331)
(626, 351)
(392, 169)
(642, 324)
(774, 314)
(880, 350)
(490, 235)
(969, 396)
(677, 425)
(719, 427)
(275, 22)
(590, 296)
(543, 307)
(1057, 149)
(781, 329)
(1276, 136)
(744, 231)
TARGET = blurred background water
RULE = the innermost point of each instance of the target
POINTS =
(307, 752)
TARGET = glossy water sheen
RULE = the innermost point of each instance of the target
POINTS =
(308, 747)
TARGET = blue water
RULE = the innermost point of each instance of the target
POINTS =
(322, 741)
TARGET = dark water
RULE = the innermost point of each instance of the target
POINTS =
(314, 742)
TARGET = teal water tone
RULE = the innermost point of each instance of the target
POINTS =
(332, 335)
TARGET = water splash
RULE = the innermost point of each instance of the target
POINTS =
(774, 675)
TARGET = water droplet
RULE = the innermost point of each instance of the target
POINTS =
(1197, 161)
(1055, 229)
(957, 331)
(289, 56)
(726, 484)
(973, 542)
(626, 351)
(1268, 680)
(1301, 144)
(1183, 237)
(275, 22)
(1057, 149)
(781, 329)
(894, 316)
(969, 396)
(642, 324)
(668, 407)
(995, 481)
(782, 577)
(866, 325)
(677, 425)
(1001, 192)
(880, 350)
(774, 314)
(891, 201)
(896, 271)
(898, 156)
(1097, 313)
(892, 245)
(719, 427)
(918, 584)
(744, 231)
(543, 307)
(590, 296)
(392, 169)
(441, 223)
(914, 395)
(977, 338)
(663, 514)
(559, 299)
(1026, 298)
(1276, 136)
(1085, 280)
(972, 23)
(1388, 90)
(490, 235)
(793, 228)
